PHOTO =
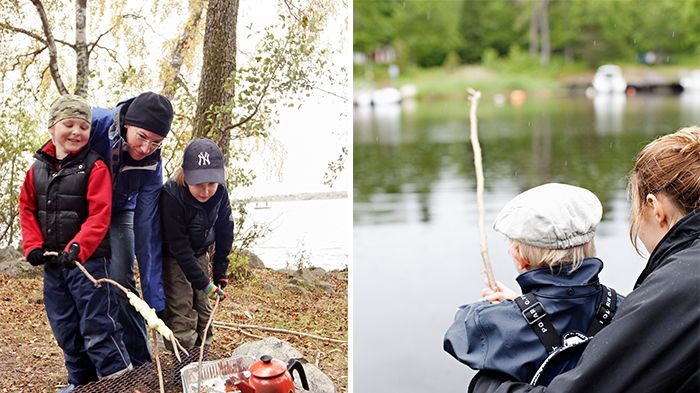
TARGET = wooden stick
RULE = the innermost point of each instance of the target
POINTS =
(155, 353)
(204, 341)
(235, 326)
(474, 135)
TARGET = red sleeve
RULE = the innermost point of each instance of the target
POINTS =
(31, 231)
(99, 199)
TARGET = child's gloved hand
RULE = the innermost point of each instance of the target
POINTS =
(503, 293)
(213, 291)
(36, 257)
(67, 259)
(221, 280)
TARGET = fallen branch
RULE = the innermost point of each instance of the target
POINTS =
(234, 326)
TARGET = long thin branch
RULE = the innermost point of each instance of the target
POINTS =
(224, 325)
(51, 43)
(32, 34)
(478, 167)
(262, 94)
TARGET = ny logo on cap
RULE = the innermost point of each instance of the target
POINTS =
(203, 158)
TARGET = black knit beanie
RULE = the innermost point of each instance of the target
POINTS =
(150, 111)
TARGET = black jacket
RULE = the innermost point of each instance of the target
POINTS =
(190, 227)
(62, 206)
(652, 344)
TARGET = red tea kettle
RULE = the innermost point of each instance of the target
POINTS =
(270, 375)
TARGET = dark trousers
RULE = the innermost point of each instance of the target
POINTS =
(83, 320)
(122, 271)
(187, 309)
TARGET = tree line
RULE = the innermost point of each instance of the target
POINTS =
(430, 33)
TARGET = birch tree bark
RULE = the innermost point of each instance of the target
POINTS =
(82, 69)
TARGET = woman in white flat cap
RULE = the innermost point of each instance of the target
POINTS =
(550, 229)
(652, 344)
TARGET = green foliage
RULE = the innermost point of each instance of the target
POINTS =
(238, 270)
(299, 258)
(20, 135)
(594, 32)
(452, 61)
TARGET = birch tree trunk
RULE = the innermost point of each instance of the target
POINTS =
(51, 45)
(546, 52)
(171, 74)
(82, 69)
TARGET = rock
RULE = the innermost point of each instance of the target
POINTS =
(254, 262)
(326, 286)
(20, 268)
(295, 289)
(282, 350)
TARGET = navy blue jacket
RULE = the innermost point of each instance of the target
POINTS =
(496, 337)
(136, 187)
(652, 344)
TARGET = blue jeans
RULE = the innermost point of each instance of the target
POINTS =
(121, 231)
(83, 320)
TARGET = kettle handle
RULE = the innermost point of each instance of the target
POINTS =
(294, 364)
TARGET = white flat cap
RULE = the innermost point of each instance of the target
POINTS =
(552, 216)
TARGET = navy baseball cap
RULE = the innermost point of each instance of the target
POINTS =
(203, 162)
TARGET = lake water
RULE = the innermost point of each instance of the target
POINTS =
(416, 237)
(317, 229)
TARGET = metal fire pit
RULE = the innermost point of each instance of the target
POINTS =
(144, 378)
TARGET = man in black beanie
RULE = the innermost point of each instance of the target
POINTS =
(129, 139)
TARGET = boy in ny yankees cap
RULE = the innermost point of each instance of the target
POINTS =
(196, 214)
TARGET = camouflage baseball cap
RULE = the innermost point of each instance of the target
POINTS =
(69, 106)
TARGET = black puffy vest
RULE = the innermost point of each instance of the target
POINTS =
(61, 198)
(200, 221)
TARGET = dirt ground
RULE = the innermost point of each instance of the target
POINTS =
(31, 361)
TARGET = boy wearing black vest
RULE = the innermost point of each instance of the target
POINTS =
(550, 229)
(196, 214)
(65, 206)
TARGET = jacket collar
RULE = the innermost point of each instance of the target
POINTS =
(541, 278)
(686, 230)
(47, 154)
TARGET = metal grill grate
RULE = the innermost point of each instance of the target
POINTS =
(144, 379)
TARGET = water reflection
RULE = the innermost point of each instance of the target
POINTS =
(609, 110)
(690, 105)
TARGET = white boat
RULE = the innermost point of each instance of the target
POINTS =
(609, 79)
(386, 96)
(691, 81)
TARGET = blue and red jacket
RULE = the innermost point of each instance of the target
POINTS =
(136, 187)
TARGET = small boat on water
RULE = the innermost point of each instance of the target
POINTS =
(262, 205)
(609, 79)
(691, 81)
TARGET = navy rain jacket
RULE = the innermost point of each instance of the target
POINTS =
(652, 344)
(496, 337)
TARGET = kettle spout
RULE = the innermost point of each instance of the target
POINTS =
(244, 385)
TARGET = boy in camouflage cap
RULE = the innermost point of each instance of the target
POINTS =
(65, 207)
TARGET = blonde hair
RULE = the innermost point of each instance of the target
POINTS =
(178, 177)
(670, 165)
(544, 257)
